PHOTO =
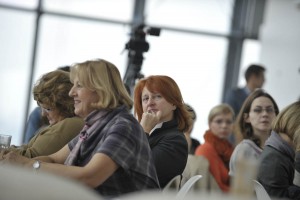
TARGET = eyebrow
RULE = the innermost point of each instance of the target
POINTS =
(265, 107)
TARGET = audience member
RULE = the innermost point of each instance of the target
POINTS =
(192, 142)
(216, 147)
(253, 124)
(276, 169)
(51, 94)
(159, 107)
(36, 120)
(111, 154)
(255, 78)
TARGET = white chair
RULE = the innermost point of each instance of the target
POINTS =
(187, 186)
(199, 165)
(173, 184)
(261, 193)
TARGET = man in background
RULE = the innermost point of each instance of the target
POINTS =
(255, 78)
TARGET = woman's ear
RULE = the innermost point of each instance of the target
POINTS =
(174, 107)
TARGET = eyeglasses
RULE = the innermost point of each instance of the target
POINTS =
(47, 110)
(269, 110)
(220, 121)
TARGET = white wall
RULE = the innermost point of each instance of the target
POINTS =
(280, 50)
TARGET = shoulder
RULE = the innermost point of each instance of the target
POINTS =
(73, 120)
(72, 123)
(246, 144)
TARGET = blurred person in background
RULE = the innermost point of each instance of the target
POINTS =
(192, 142)
(253, 126)
(216, 148)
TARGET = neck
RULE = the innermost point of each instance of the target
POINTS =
(263, 136)
(251, 87)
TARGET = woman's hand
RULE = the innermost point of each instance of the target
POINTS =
(14, 158)
(149, 120)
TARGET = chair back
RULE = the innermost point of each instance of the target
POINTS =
(261, 193)
(187, 186)
(199, 165)
(173, 184)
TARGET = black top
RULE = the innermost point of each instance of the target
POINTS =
(276, 170)
(169, 150)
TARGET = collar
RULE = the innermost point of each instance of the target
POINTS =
(156, 127)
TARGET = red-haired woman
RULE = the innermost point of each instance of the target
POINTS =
(159, 107)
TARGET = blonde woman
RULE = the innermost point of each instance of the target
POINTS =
(216, 147)
(276, 169)
(111, 154)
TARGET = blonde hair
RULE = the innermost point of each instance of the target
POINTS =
(104, 78)
(220, 109)
(288, 122)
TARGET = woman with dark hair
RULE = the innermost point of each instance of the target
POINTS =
(253, 125)
(159, 107)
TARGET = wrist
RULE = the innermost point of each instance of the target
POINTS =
(36, 165)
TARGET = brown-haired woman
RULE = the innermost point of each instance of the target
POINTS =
(51, 94)
(253, 124)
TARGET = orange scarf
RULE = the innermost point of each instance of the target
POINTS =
(221, 145)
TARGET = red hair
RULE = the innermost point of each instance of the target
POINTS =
(169, 89)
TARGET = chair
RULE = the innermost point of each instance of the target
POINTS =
(187, 186)
(173, 184)
(261, 193)
(199, 165)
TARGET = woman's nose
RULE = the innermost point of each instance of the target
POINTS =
(150, 101)
(71, 92)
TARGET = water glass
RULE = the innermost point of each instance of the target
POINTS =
(4, 141)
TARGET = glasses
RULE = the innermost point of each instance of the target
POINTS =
(220, 121)
(269, 110)
(47, 110)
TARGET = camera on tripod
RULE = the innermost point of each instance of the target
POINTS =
(137, 44)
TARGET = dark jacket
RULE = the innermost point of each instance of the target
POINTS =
(169, 151)
(276, 171)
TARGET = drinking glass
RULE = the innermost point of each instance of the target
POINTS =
(4, 141)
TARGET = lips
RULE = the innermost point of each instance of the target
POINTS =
(265, 122)
(76, 102)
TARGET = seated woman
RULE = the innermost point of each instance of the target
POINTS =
(276, 169)
(254, 125)
(36, 120)
(51, 94)
(159, 107)
(216, 147)
(111, 154)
